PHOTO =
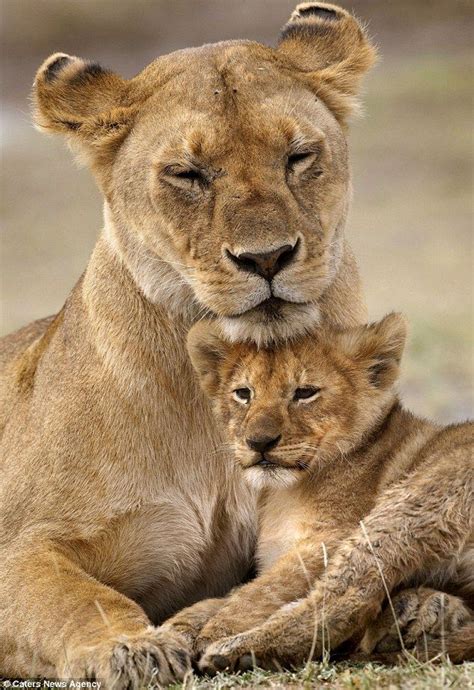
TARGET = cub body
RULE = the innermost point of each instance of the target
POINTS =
(317, 426)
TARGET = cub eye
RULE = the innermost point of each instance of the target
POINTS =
(306, 394)
(242, 395)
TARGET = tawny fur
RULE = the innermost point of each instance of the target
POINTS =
(117, 507)
(351, 455)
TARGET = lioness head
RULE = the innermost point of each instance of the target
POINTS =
(288, 410)
(224, 168)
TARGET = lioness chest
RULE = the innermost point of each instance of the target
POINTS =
(173, 552)
(185, 530)
(128, 470)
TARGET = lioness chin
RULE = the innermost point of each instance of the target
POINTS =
(359, 499)
(226, 185)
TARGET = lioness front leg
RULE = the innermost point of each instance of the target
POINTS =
(414, 526)
(61, 622)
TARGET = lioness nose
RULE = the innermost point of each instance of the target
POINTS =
(263, 444)
(267, 264)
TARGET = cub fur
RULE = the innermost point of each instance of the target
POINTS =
(359, 498)
(226, 185)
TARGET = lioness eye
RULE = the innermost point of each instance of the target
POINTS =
(306, 393)
(242, 395)
(301, 161)
(188, 175)
(295, 158)
(184, 177)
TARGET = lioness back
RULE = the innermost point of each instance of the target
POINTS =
(13, 344)
(12, 347)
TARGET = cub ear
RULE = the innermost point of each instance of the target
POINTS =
(82, 100)
(379, 348)
(332, 48)
(207, 350)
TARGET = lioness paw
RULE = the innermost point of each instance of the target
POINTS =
(131, 662)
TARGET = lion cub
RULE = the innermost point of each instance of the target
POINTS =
(352, 486)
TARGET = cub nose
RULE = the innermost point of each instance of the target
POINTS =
(266, 264)
(263, 444)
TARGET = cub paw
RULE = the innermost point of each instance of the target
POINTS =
(235, 654)
(211, 636)
(420, 614)
(438, 615)
(220, 656)
(131, 662)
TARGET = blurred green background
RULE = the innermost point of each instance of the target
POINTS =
(412, 153)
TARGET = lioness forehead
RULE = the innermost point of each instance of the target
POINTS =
(224, 66)
(235, 81)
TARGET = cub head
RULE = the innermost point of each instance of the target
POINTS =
(224, 168)
(292, 409)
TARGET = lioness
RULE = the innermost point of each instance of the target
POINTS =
(318, 426)
(226, 183)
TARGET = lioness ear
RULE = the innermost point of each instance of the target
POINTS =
(84, 101)
(379, 348)
(207, 350)
(331, 47)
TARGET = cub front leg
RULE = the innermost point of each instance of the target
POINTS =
(416, 525)
(57, 621)
(189, 622)
(289, 579)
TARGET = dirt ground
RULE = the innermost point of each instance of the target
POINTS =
(411, 222)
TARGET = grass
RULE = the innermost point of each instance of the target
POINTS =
(411, 675)
(345, 676)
